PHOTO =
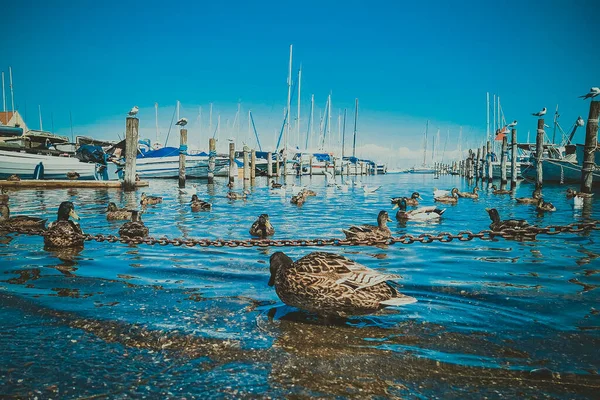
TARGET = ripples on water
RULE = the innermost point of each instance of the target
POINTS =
(518, 318)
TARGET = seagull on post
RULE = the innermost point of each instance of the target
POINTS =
(133, 112)
(512, 124)
(540, 113)
(594, 91)
(182, 122)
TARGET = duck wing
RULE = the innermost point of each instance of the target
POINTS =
(341, 270)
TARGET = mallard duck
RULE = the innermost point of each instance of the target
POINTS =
(13, 178)
(275, 185)
(64, 233)
(534, 199)
(137, 177)
(19, 221)
(364, 232)
(238, 196)
(308, 192)
(298, 199)
(544, 206)
(73, 175)
(150, 200)
(470, 195)
(199, 205)
(412, 201)
(113, 213)
(452, 199)
(262, 227)
(135, 227)
(330, 284)
(495, 190)
(572, 193)
(440, 193)
(419, 214)
(498, 225)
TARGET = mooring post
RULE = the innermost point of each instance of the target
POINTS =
(334, 166)
(285, 166)
(490, 166)
(513, 161)
(589, 152)
(246, 165)
(472, 166)
(131, 148)
(253, 166)
(310, 165)
(212, 154)
(182, 153)
(503, 180)
(477, 162)
(277, 165)
(482, 163)
(231, 162)
(539, 152)
(269, 166)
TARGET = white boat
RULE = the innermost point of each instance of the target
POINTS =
(164, 163)
(54, 166)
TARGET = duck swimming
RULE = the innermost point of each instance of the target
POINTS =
(452, 199)
(199, 205)
(113, 213)
(472, 195)
(73, 175)
(365, 232)
(262, 227)
(498, 225)
(420, 214)
(238, 196)
(534, 199)
(413, 200)
(64, 233)
(19, 221)
(543, 206)
(572, 193)
(150, 200)
(330, 284)
(135, 227)
(495, 190)
(275, 185)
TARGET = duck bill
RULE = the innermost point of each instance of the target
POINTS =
(389, 219)
(395, 206)
(73, 214)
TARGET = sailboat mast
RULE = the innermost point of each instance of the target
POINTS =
(344, 134)
(12, 95)
(425, 144)
(487, 95)
(494, 122)
(3, 95)
(329, 120)
(210, 131)
(199, 126)
(156, 119)
(355, 123)
(40, 114)
(298, 120)
(460, 143)
(239, 119)
(289, 105)
(71, 122)
(339, 124)
(249, 127)
(555, 123)
(312, 116)
(218, 127)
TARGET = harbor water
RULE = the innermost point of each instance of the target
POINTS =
(516, 319)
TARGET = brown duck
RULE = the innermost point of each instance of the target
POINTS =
(495, 190)
(19, 221)
(470, 195)
(150, 200)
(135, 227)
(330, 284)
(534, 199)
(498, 225)
(113, 213)
(199, 205)
(64, 233)
(452, 199)
(366, 232)
(262, 227)
(412, 201)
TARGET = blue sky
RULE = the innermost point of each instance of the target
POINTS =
(406, 62)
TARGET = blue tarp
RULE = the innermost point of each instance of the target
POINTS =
(164, 152)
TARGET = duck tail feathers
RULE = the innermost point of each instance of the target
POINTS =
(439, 211)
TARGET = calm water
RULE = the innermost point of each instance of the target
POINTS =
(501, 318)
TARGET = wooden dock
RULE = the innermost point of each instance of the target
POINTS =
(65, 184)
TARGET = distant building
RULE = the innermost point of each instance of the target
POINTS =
(9, 118)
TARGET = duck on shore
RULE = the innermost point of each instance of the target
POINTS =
(374, 232)
(64, 233)
(332, 285)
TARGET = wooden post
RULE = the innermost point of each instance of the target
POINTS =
(539, 151)
(285, 166)
(182, 153)
(310, 167)
(253, 166)
(477, 162)
(246, 166)
(231, 162)
(277, 165)
(334, 166)
(375, 169)
(513, 161)
(589, 152)
(269, 166)
(472, 166)
(483, 169)
(131, 148)
(490, 166)
(212, 153)
(503, 163)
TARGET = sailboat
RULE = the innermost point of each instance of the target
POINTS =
(423, 169)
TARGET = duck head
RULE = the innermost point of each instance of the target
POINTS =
(454, 192)
(416, 195)
(537, 194)
(494, 187)
(66, 210)
(493, 213)
(475, 189)
(278, 260)
(264, 220)
(112, 207)
(401, 204)
(383, 218)
(194, 198)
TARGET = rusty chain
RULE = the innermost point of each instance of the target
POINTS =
(522, 234)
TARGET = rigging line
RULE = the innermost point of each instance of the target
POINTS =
(168, 133)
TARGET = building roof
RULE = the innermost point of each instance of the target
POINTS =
(5, 116)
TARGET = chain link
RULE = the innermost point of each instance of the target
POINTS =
(523, 234)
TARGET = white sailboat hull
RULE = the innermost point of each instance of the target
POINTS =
(168, 167)
(55, 167)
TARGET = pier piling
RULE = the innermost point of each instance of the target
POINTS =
(589, 152)
(182, 153)
(477, 162)
(503, 180)
(513, 160)
(231, 162)
(212, 153)
(483, 169)
(277, 165)
(252, 166)
(490, 166)
(310, 167)
(539, 151)
(246, 166)
(131, 148)
(269, 165)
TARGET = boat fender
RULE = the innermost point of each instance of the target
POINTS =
(38, 172)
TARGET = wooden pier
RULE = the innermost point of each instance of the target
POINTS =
(64, 184)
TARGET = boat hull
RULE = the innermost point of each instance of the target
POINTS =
(168, 167)
(55, 167)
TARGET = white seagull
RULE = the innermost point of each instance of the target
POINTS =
(540, 113)
(512, 124)
(133, 111)
(594, 91)
(182, 122)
